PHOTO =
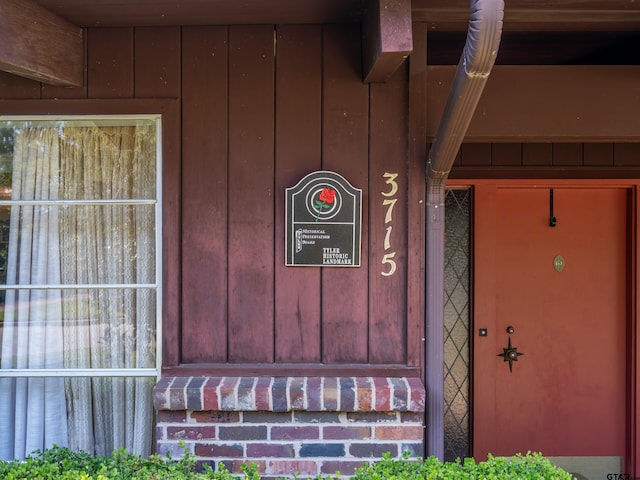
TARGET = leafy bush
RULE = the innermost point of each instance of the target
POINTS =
(63, 464)
(60, 463)
(528, 467)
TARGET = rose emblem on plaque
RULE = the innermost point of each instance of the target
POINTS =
(323, 202)
(325, 199)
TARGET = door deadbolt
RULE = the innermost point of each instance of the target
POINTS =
(510, 330)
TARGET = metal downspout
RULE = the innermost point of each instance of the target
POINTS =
(476, 62)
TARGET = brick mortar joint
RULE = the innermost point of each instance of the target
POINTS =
(287, 394)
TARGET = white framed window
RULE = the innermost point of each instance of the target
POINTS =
(80, 270)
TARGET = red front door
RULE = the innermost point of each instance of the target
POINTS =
(558, 294)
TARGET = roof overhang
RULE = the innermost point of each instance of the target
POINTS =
(43, 39)
(449, 15)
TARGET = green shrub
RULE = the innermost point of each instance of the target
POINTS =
(60, 463)
(530, 466)
(63, 464)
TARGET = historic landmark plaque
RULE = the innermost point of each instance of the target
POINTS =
(323, 224)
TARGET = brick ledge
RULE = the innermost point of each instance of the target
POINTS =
(285, 394)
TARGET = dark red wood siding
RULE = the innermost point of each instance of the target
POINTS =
(345, 122)
(298, 138)
(204, 198)
(260, 107)
(540, 160)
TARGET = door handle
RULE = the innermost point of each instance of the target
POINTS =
(511, 353)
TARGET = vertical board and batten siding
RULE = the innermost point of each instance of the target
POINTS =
(256, 116)
(111, 63)
(303, 109)
(416, 194)
(298, 134)
(345, 122)
(251, 196)
(204, 193)
(387, 106)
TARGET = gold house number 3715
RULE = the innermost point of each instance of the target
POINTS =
(389, 202)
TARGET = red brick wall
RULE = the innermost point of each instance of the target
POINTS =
(289, 425)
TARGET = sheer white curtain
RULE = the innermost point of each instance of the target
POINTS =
(109, 244)
(32, 410)
(111, 327)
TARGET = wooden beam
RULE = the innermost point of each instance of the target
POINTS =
(39, 45)
(387, 38)
(546, 103)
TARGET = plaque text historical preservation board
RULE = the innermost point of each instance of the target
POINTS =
(324, 222)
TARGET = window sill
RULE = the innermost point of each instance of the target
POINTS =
(285, 394)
